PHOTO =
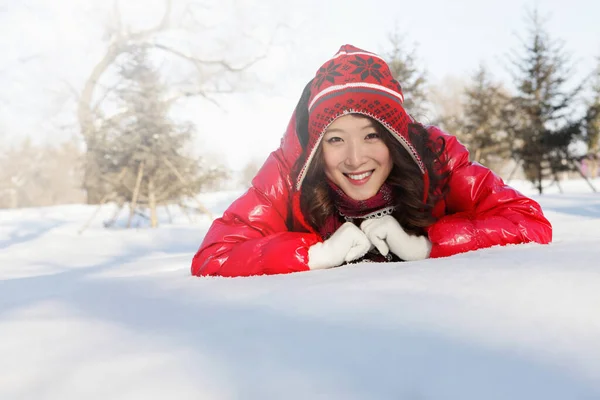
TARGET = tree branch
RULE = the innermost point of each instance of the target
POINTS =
(200, 62)
(161, 26)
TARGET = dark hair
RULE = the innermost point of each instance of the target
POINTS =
(302, 117)
(406, 179)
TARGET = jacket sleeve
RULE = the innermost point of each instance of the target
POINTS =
(251, 238)
(481, 210)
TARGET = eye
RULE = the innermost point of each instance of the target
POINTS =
(372, 136)
(333, 139)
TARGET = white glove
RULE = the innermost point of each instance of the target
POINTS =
(348, 243)
(386, 234)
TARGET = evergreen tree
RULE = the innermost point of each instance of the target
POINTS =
(482, 126)
(142, 155)
(403, 66)
(542, 121)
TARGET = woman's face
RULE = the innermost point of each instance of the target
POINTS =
(356, 158)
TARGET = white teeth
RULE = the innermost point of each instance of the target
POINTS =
(361, 176)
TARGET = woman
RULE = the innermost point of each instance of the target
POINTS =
(356, 178)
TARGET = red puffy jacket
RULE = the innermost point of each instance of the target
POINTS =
(264, 232)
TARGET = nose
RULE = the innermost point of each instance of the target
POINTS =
(355, 155)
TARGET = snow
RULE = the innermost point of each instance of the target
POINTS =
(115, 314)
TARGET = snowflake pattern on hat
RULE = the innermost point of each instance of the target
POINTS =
(367, 68)
(327, 73)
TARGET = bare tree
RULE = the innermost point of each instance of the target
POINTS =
(40, 175)
(210, 77)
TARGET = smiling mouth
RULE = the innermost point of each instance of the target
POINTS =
(359, 178)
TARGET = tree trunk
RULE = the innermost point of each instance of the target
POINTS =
(557, 181)
(169, 215)
(183, 181)
(152, 203)
(92, 183)
(539, 178)
(136, 193)
(478, 155)
(89, 221)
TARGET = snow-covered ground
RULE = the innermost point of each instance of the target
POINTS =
(115, 314)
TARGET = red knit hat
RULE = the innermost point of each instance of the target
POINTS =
(355, 81)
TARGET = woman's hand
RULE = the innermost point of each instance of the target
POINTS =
(348, 243)
(386, 234)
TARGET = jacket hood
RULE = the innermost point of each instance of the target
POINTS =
(355, 81)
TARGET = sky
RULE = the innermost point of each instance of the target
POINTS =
(48, 48)
(115, 314)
